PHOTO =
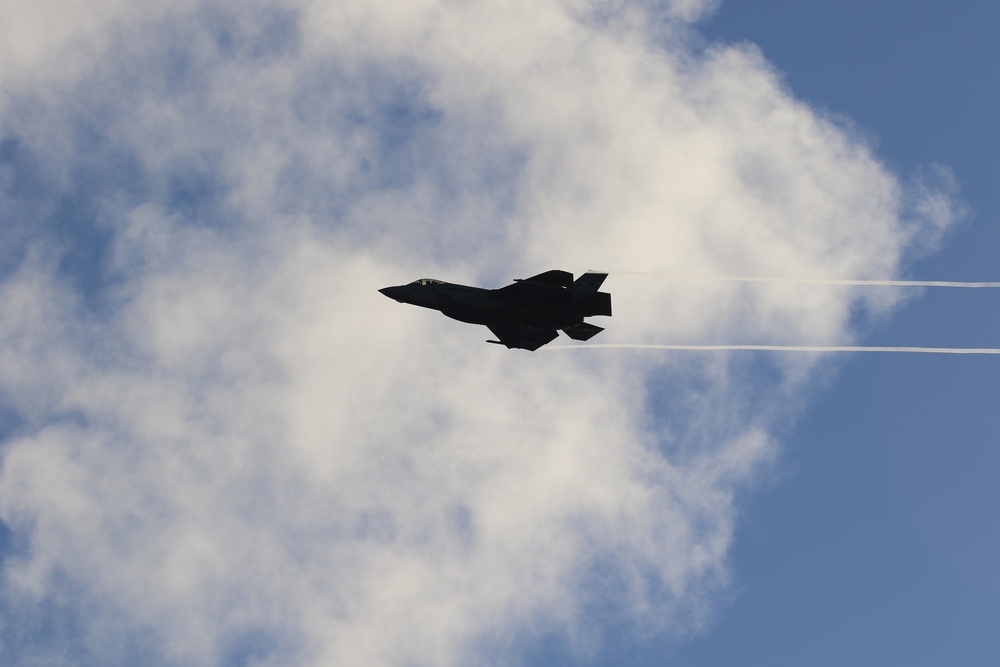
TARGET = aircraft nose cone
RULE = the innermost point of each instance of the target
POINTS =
(391, 292)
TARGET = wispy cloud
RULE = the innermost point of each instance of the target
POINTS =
(229, 448)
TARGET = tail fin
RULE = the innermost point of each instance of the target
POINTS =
(587, 284)
(598, 303)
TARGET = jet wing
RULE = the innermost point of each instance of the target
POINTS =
(582, 331)
(554, 278)
(545, 285)
(526, 338)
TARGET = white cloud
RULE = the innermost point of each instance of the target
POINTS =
(233, 448)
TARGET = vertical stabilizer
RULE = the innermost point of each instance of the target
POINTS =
(587, 284)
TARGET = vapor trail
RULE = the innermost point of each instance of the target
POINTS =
(812, 281)
(784, 348)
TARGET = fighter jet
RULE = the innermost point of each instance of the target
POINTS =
(526, 314)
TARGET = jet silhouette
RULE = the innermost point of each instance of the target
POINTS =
(526, 314)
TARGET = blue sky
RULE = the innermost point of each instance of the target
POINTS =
(221, 446)
(880, 546)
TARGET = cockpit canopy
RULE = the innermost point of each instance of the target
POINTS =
(427, 281)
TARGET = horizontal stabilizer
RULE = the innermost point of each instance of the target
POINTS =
(587, 284)
(583, 331)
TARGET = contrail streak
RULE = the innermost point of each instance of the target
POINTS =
(783, 348)
(813, 281)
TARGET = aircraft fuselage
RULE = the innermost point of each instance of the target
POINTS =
(527, 314)
(476, 305)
